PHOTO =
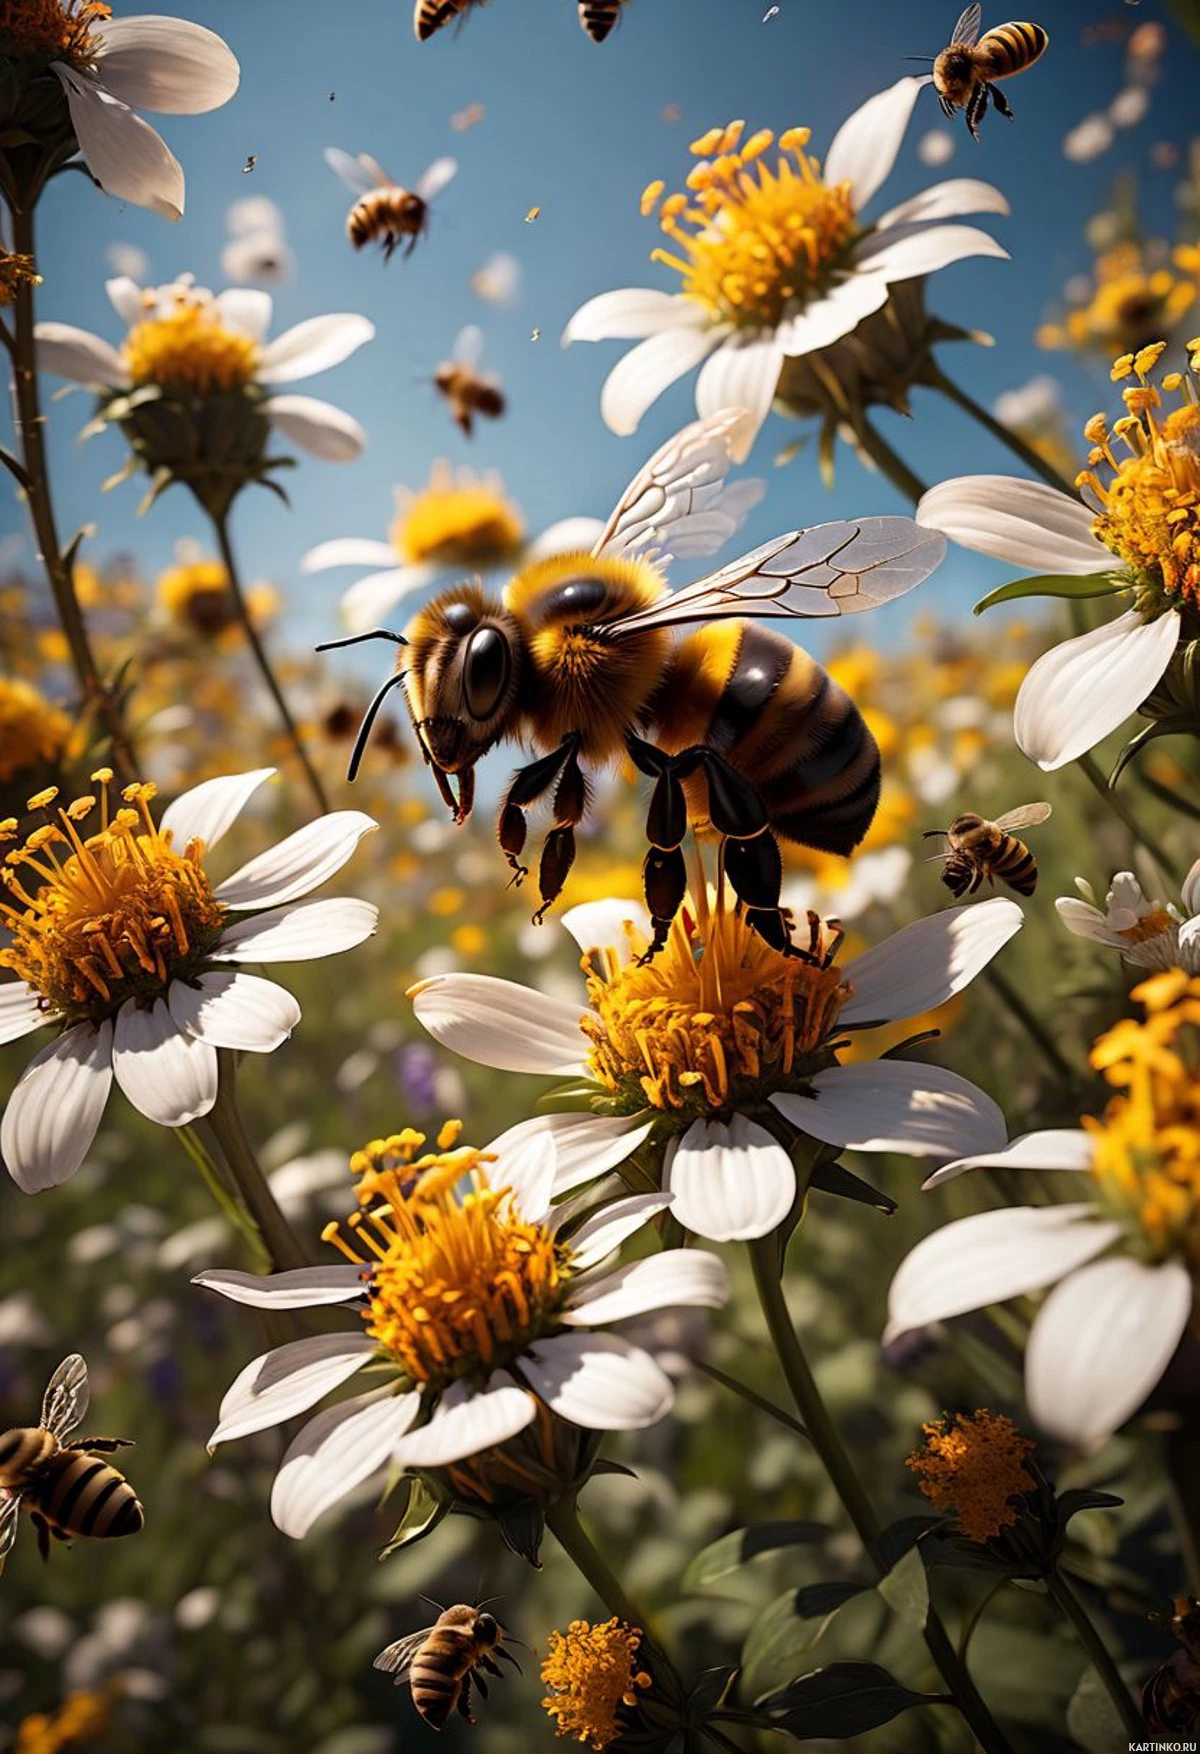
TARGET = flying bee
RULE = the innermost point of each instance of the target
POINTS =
(468, 391)
(384, 212)
(1171, 1695)
(966, 73)
(441, 1661)
(65, 1487)
(577, 661)
(430, 15)
(977, 848)
(599, 16)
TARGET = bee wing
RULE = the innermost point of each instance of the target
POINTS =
(67, 1395)
(1027, 816)
(396, 1658)
(670, 495)
(362, 174)
(967, 28)
(831, 569)
(468, 346)
(440, 174)
(9, 1514)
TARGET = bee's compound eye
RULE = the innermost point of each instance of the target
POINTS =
(486, 670)
(486, 1626)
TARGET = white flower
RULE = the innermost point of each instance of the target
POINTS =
(123, 944)
(777, 264)
(1148, 934)
(480, 1302)
(181, 337)
(257, 253)
(676, 1065)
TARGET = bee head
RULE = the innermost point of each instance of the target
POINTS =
(487, 1630)
(463, 676)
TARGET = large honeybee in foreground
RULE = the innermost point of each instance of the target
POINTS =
(1171, 1695)
(977, 848)
(385, 213)
(599, 16)
(468, 391)
(65, 1487)
(966, 72)
(740, 730)
(441, 1661)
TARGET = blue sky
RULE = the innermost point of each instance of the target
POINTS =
(578, 130)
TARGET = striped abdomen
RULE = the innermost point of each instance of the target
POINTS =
(598, 17)
(781, 720)
(438, 1670)
(430, 15)
(1009, 49)
(1016, 865)
(78, 1494)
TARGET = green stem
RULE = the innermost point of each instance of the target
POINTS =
(1072, 1609)
(762, 1402)
(1116, 803)
(225, 1125)
(562, 1519)
(826, 1440)
(1030, 1023)
(225, 1198)
(976, 1615)
(221, 527)
(888, 461)
(936, 378)
(1165, 795)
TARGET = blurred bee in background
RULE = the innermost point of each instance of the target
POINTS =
(467, 391)
(1171, 1696)
(64, 1487)
(966, 71)
(599, 16)
(977, 848)
(441, 1661)
(430, 15)
(578, 662)
(384, 212)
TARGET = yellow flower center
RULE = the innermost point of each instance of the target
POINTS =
(751, 242)
(1152, 924)
(1132, 301)
(458, 520)
(16, 271)
(592, 1673)
(459, 1282)
(114, 916)
(198, 593)
(715, 1018)
(31, 730)
(189, 350)
(54, 30)
(972, 1465)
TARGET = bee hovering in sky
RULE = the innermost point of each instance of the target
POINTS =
(384, 212)
(66, 1489)
(441, 1661)
(599, 16)
(469, 392)
(739, 729)
(966, 73)
(977, 848)
(430, 15)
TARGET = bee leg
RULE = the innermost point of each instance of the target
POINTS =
(558, 853)
(464, 1700)
(664, 872)
(1000, 102)
(976, 109)
(43, 1534)
(664, 883)
(444, 787)
(528, 785)
(466, 795)
(753, 862)
(479, 1681)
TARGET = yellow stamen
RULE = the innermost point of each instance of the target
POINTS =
(457, 520)
(16, 271)
(593, 1674)
(973, 1465)
(189, 349)
(51, 29)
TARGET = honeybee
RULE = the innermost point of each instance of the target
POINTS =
(65, 1487)
(1171, 1695)
(384, 212)
(441, 1661)
(966, 71)
(599, 16)
(467, 391)
(977, 848)
(578, 662)
(430, 15)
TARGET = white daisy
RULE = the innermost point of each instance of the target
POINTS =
(710, 1059)
(776, 262)
(121, 942)
(108, 69)
(1148, 934)
(478, 1310)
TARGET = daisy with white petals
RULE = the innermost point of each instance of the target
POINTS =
(1148, 934)
(480, 1311)
(120, 941)
(709, 1060)
(777, 261)
(1120, 1260)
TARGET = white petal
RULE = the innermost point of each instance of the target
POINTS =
(300, 933)
(1086, 921)
(367, 601)
(20, 1011)
(125, 296)
(1100, 1343)
(302, 862)
(347, 551)
(897, 1105)
(314, 346)
(246, 310)
(72, 353)
(924, 250)
(165, 64)
(865, 146)
(923, 965)
(318, 427)
(53, 1113)
(235, 1011)
(827, 319)
(168, 1076)
(1084, 688)
(123, 153)
(1190, 893)
(631, 314)
(334, 1453)
(585, 1146)
(598, 1381)
(1068, 1148)
(601, 925)
(497, 1023)
(603, 1233)
(730, 1180)
(641, 375)
(1023, 521)
(301, 1288)
(990, 1257)
(526, 1170)
(287, 1381)
(674, 1279)
(946, 201)
(464, 1423)
(741, 374)
(209, 810)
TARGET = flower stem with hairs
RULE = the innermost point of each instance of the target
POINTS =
(1072, 1609)
(224, 1125)
(225, 1198)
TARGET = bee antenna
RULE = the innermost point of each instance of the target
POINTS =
(929, 58)
(932, 833)
(356, 639)
(364, 732)
(422, 1597)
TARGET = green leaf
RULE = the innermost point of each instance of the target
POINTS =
(423, 1512)
(815, 1600)
(1092, 1718)
(1070, 1503)
(845, 1699)
(905, 1588)
(896, 1540)
(737, 1549)
(833, 1178)
(1049, 584)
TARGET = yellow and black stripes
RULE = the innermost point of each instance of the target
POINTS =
(81, 1495)
(430, 15)
(1009, 49)
(598, 17)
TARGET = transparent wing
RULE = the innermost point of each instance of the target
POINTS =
(468, 346)
(9, 1516)
(361, 174)
(681, 484)
(67, 1395)
(1027, 816)
(832, 569)
(440, 174)
(967, 28)
(397, 1658)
